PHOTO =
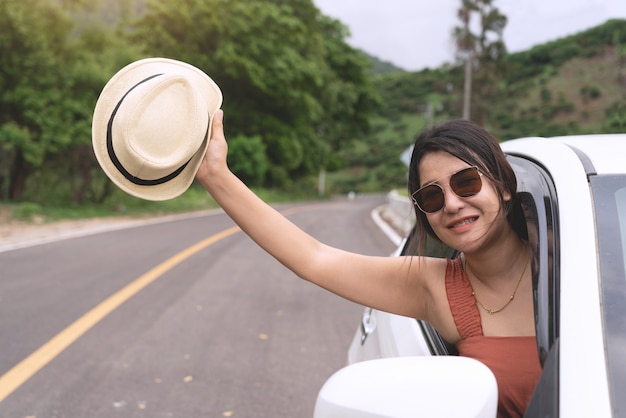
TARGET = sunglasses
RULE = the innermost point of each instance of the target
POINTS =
(464, 183)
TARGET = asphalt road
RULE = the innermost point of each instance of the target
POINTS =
(187, 318)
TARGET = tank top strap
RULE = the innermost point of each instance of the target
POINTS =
(462, 302)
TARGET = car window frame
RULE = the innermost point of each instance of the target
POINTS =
(437, 345)
(540, 206)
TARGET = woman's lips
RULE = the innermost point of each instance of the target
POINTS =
(462, 222)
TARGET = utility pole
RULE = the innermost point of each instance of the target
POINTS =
(467, 88)
(466, 44)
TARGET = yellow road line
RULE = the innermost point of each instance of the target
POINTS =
(24, 370)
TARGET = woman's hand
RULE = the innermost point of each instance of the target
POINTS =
(214, 161)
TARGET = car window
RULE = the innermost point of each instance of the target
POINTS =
(436, 344)
(609, 193)
(539, 203)
(540, 206)
(620, 200)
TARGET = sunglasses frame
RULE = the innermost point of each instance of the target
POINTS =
(435, 183)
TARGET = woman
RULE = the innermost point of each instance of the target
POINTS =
(464, 193)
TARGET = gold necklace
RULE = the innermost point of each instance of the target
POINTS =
(491, 311)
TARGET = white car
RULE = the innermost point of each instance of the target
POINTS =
(574, 195)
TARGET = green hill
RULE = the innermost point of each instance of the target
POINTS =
(567, 85)
(573, 85)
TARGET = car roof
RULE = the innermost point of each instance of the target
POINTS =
(600, 154)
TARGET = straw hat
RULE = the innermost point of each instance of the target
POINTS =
(151, 126)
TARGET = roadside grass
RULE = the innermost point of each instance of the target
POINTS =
(120, 204)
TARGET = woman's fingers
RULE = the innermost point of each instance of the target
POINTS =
(215, 157)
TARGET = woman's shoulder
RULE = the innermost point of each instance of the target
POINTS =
(427, 264)
(432, 271)
(438, 311)
(444, 266)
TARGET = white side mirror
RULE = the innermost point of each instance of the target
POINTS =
(439, 386)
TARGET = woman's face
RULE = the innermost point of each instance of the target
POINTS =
(465, 224)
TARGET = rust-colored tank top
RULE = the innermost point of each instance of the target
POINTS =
(513, 360)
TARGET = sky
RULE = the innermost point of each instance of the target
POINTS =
(416, 34)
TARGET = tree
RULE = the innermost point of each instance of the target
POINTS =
(271, 60)
(466, 44)
(289, 80)
(348, 97)
(246, 157)
(50, 75)
(32, 41)
(481, 52)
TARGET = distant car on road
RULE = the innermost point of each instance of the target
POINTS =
(573, 191)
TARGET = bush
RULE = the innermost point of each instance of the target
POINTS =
(247, 159)
(27, 210)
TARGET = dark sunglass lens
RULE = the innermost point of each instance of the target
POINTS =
(430, 198)
(466, 183)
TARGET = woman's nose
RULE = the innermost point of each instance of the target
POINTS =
(452, 202)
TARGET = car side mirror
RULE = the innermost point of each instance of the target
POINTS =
(443, 386)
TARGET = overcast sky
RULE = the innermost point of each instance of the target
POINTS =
(415, 34)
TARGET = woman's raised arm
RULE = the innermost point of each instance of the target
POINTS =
(386, 283)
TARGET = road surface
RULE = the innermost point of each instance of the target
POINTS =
(186, 318)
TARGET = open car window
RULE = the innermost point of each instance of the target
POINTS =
(436, 344)
(540, 206)
(539, 203)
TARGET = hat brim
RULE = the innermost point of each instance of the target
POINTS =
(111, 95)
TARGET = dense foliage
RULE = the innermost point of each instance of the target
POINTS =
(293, 88)
(298, 99)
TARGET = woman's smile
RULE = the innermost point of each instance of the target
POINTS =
(475, 219)
(459, 224)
